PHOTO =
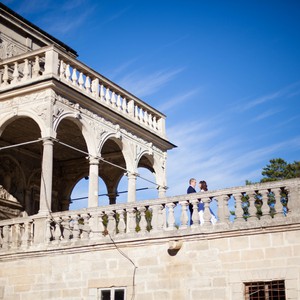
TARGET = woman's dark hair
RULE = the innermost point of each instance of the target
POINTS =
(203, 185)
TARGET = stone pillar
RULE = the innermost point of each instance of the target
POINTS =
(46, 176)
(93, 182)
(161, 192)
(131, 187)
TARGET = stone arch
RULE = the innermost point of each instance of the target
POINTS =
(113, 166)
(70, 156)
(19, 129)
(83, 125)
(11, 117)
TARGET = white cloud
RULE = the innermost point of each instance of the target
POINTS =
(285, 92)
(146, 84)
(168, 105)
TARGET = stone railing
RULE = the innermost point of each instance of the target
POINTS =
(50, 62)
(248, 207)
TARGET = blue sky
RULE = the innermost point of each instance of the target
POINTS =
(226, 74)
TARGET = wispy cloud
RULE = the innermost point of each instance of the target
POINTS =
(265, 114)
(146, 84)
(286, 92)
(69, 23)
(220, 160)
(168, 105)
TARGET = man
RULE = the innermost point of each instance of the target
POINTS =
(191, 189)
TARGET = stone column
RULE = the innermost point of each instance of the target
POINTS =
(131, 187)
(46, 177)
(161, 192)
(93, 182)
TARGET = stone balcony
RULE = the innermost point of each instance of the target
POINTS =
(240, 211)
(50, 62)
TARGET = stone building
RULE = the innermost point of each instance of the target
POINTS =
(61, 121)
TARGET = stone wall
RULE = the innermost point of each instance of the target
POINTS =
(205, 267)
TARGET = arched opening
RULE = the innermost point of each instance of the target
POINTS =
(79, 194)
(112, 167)
(146, 181)
(70, 162)
(20, 157)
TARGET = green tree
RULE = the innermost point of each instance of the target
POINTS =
(279, 169)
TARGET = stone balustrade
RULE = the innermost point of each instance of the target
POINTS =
(266, 205)
(50, 62)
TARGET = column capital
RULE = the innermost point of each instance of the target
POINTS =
(94, 160)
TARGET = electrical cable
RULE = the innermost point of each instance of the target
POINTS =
(18, 145)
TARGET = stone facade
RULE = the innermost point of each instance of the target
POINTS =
(61, 121)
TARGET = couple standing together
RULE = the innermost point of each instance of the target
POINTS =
(203, 188)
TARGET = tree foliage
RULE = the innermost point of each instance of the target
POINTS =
(279, 169)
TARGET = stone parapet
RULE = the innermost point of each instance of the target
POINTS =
(51, 63)
(158, 219)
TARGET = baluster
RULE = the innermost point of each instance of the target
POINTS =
(36, 67)
(131, 220)
(278, 204)
(25, 235)
(100, 225)
(67, 229)
(85, 226)
(15, 74)
(95, 87)
(87, 84)
(107, 96)
(25, 70)
(57, 231)
(154, 123)
(113, 100)
(252, 208)
(5, 75)
(121, 223)
(76, 230)
(15, 236)
(184, 215)
(119, 103)
(111, 224)
(143, 222)
(141, 115)
(171, 218)
(238, 208)
(74, 77)
(61, 69)
(6, 237)
(224, 213)
(146, 118)
(157, 221)
(195, 215)
(124, 105)
(265, 209)
(136, 112)
(101, 92)
(81, 80)
(68, 72)
(150, 121)
(206, 214)
(49, 234)
(131, 108)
